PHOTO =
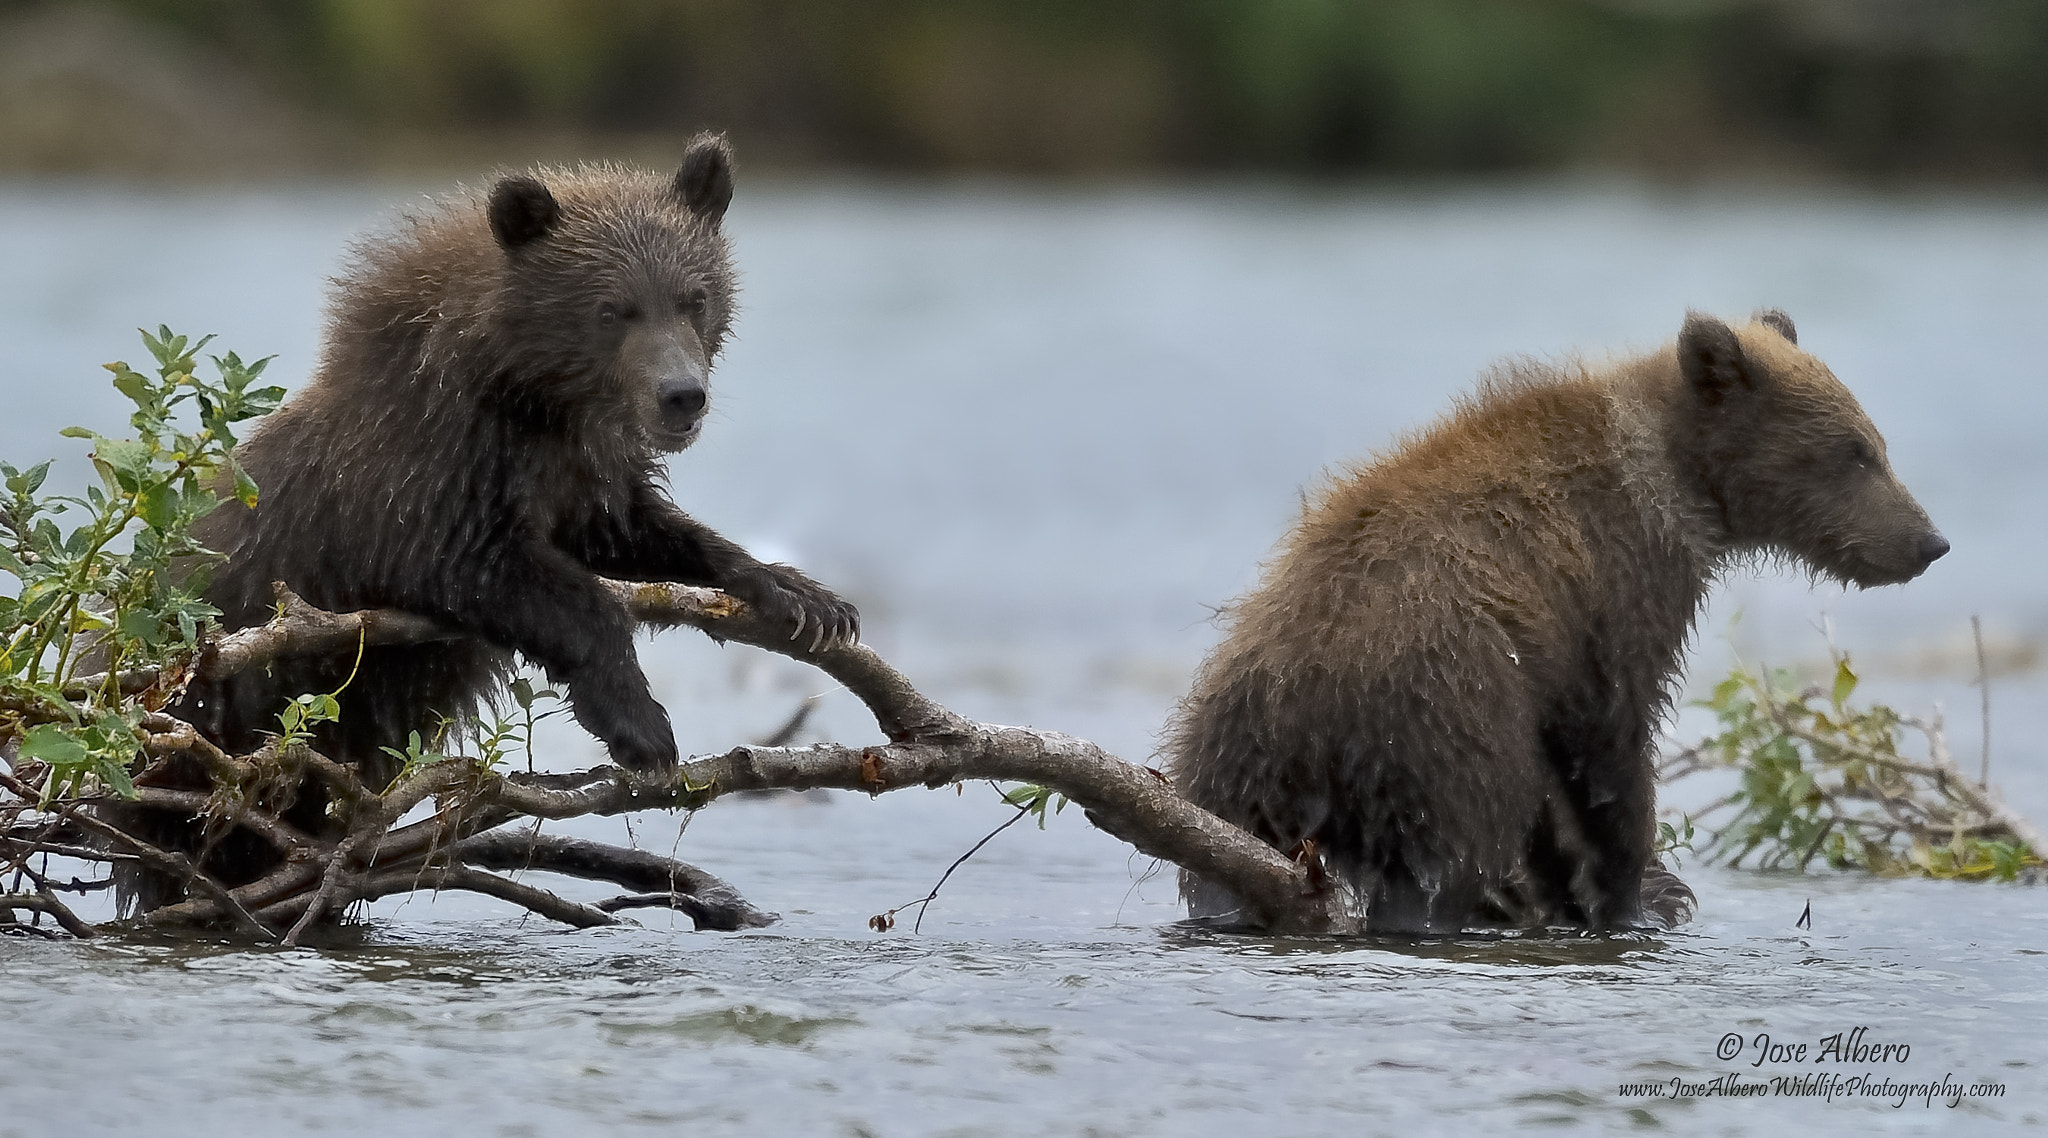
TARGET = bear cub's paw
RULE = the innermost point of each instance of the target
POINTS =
(783, 596)
(619, 710)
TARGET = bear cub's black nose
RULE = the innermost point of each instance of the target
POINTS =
(682, 400)
(1932, 546)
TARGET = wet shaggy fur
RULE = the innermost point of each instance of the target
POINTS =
(480, 442)
(1449, 679)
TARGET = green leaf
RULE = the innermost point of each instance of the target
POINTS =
(1798, 787)
(115, 775)
(158, 505)
(124, 457)
(134, 385)
(1845, 681)
(245, 486)
(138, 626)
(1726, 691)
(27, 481)
(1033, 799)
(53, 744)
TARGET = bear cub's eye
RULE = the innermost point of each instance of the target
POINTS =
(609, 315)
(1860, 454)
(690, 303)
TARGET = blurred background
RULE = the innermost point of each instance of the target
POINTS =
(1946, 90)
(1053, 311)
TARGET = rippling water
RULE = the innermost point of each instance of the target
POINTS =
(1036, 435)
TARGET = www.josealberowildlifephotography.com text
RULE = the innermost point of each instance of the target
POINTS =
(1824, 1086)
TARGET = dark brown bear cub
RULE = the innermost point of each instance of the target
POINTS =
(480, 442)
(1449, 680)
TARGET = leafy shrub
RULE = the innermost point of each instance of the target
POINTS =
(117, 595)
(1824, 778)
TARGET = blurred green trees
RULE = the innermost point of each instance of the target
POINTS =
(1875, 86)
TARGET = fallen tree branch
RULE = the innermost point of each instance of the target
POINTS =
(899, 708)
(657, 881)
(1129, 802)
(932, 746)
(299, 628)
(928, 746)
(44, 901)
(371, 887)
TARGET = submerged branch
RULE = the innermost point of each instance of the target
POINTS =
(656, 880)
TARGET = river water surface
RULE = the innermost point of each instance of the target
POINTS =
(1038, 435)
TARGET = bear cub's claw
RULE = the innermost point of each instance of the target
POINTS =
(817, 617)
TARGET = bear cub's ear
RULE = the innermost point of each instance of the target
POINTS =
(1776, 320)
(1710, 358)
(522, 211)
(705, 181)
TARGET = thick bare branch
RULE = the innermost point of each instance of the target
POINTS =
(289, 878)
(199, 804)
(336, 873)
(902, 711)
(457, 877)
(44, 901)
(1129, 802)
(301, 628)
(659, 881)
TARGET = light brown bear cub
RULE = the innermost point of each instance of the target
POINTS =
(1449, 680)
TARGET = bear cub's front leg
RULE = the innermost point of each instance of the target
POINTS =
(659, 542)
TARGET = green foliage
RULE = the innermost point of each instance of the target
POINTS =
(84, 757)
(119, 589)
(304, 712)
(497, 738)
(415, 756)
(1673, 837)
(1033, 800)
(1412, 85)
(1823, 778)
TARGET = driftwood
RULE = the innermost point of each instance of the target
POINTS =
(473, 830)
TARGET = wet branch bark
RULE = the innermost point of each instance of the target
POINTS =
(659, 882)
(928, 745)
